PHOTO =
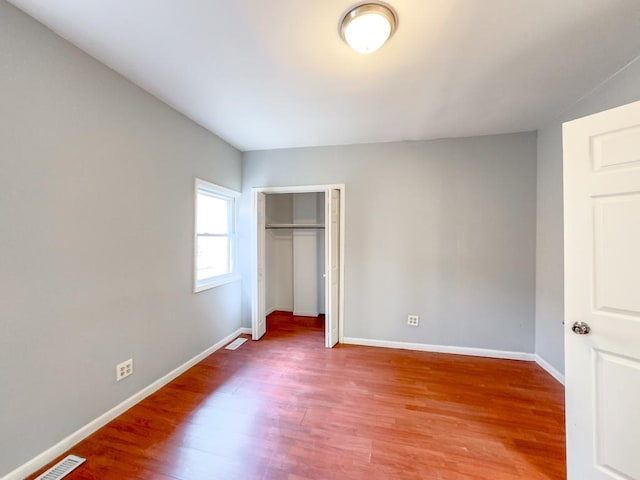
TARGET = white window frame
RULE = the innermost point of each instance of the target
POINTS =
(229, 195)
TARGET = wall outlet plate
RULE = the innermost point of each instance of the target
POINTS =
(124, 369)
(413, 320)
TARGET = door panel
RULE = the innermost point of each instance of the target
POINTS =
(602, 288)
(259, 321)
(617, 444)
(617, 149)
(332, 246)
(616, 233)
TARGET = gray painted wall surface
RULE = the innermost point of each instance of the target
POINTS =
(621, 89)
(443, 229)
(96, 246)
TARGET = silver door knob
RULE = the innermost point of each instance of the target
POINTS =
(581, 328)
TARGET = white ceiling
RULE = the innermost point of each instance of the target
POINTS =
(265, 74)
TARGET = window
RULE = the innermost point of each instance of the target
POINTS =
(214, 235)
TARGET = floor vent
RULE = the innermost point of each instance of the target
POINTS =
(62, 468)
(236, 343)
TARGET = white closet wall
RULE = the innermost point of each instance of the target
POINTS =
(305, 256)
(320, 255)
(295, 257)
(279, 254)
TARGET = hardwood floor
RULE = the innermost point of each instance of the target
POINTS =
(287, 408)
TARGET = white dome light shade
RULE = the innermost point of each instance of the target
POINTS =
(367, 27)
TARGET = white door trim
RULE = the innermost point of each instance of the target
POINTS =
(254, 241)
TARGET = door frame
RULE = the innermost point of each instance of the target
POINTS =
(256, 236)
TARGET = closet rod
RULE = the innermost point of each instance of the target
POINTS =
(294, 227)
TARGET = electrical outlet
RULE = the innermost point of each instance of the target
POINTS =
(124, 369)
(413, 320)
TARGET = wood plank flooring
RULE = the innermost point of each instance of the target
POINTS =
(287, 408)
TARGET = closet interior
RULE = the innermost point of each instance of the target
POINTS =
(295, 253)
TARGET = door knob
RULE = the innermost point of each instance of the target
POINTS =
(581, 328)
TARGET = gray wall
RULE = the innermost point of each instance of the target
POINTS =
(444, 229)
(279, 254)
(621, 89)
(96, 247)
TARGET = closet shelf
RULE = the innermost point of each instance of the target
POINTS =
(294, 226)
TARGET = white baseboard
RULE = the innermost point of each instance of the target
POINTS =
(549, 369)
(424, 347)
(477, 352)
(243, 331)
(305, 314)
(278, 309)
(59, 448)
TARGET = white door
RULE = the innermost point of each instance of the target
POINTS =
(259, 321)
(602, 289)
(332, 256)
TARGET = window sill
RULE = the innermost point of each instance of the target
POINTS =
(215, 282)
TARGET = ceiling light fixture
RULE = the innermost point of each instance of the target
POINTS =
(367, 26)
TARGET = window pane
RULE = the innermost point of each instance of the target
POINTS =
(215, 236)
(212, 214)
(212, 257)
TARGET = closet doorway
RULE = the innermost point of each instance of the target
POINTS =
(299, 255)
